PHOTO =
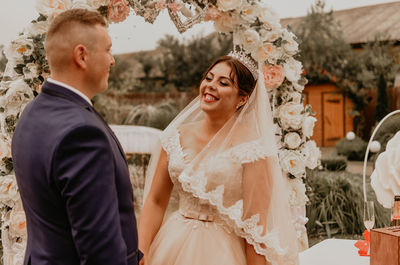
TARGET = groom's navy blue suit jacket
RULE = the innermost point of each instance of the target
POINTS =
(74, 183)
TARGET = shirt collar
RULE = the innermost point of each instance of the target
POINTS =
(76, 91)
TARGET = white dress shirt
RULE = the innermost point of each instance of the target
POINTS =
(76, 91)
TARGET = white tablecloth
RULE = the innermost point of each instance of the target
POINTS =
(333, 252)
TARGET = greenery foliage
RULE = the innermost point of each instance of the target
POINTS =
(327, 57)
(334, 162)
(183, 64)
(387, 130)
(336, 204)
(382, 105)
(158, 116)
(352, 149)
(323, 49)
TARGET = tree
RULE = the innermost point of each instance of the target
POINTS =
(183, 64)
(382, 105)
(323, 50)
(147, 62)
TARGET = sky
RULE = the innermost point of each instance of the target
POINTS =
(134, 34)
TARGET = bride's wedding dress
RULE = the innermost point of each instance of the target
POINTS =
(195, 234)
(231, 192)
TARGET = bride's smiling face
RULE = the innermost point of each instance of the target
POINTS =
(219, 92)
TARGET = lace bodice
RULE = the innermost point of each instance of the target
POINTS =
(214, 191)
(224, 169)
(189, 205)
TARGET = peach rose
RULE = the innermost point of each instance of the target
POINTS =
(118, 10)
(273, 76)
(212, 14)
(227, 22)
(18, 223)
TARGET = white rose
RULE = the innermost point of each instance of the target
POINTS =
(292, 162)
(249, 12)
(37, 28)
(308, 126)
(5, 148)
(266, 52)
(290, 115)
(18, 95)
(297, 86)
(297, 192)
(17, 223)
(82, 4)
(226, 22)
(292, 69)
(30, 71)
(311, 153)
(292, 140)
(289, 44)
(18, 48)
(299, 220)
(8, 189)
(292, 96)
(249, 39)
(269, 35)
(385, 179)
(227, 5)
(98, 3)
(267, 16)
(16, 254)
(52, 8)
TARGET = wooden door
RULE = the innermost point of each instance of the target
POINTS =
(333, 118)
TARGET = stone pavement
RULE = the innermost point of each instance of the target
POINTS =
(355, 167)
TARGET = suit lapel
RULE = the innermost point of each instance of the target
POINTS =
(59, 91)
(110, 131)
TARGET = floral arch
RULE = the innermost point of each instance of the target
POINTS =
(256, 30)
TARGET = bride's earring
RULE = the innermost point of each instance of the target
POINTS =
(238, 106)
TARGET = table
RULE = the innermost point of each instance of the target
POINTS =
(333, 252)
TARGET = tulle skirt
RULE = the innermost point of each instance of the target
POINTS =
(184, 241)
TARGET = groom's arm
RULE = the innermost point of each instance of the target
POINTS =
(84, 172)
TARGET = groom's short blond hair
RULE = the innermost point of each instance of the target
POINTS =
(68, 29)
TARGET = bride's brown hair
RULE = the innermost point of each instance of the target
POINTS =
(245, 80)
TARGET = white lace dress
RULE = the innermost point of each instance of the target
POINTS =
(195, 235)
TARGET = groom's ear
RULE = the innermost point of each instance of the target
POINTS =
(80, 56)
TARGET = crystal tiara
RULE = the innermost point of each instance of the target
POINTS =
(246, 61)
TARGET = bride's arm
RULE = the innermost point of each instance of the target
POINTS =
(257, 184)
(155, 205)
(253, 258)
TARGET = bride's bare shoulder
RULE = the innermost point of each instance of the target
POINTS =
(189, 128)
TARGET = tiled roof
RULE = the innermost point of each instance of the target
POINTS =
(361, 24)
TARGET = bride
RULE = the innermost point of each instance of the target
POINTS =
(220, 154)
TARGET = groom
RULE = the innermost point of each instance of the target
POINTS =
(70, 168)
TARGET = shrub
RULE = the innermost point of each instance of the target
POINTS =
(352, 149)
(388, 129)
(336, 204)
(158, 116)
(334, 163)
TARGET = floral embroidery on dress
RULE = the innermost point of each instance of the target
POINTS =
(194, 196)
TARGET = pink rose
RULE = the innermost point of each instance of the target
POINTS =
(174, 7)
(212, 14)
(273, 76)
(160, 5)
(118, 10)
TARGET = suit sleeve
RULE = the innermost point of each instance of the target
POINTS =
(84, 172)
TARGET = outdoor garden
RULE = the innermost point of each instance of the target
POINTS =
(149, 88)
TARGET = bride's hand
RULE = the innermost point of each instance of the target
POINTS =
(143, 261)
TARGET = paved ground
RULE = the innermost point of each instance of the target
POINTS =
(352, 166)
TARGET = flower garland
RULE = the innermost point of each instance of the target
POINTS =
(256, 30)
